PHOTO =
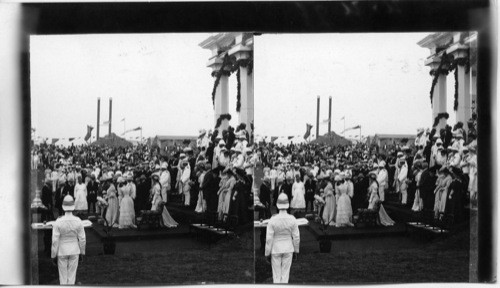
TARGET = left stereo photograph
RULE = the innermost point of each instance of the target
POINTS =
(142, 158)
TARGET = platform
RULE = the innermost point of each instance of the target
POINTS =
(337, 233)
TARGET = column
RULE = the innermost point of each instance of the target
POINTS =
(221, 103)
(439, 93)
(242, 52)
(463, 113)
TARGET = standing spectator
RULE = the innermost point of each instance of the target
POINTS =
(92, 188)
(68, 242)
(282, 241)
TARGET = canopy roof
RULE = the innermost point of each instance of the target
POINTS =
(332, 139)
(112, 141)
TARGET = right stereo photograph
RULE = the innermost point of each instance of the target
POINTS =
(368, 166)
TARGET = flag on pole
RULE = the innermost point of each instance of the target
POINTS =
(352, 128)
(89, 131)
(290, 137)
(308, 131)
(105, 123)
(130, 130)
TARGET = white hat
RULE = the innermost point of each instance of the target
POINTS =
(420, 130)
(337, 178)
(164, 165)
(68, 203)
(182, 155)
(282, 202)
(120, 180)
(241, 135)
(202, 132)
(440, 148)
(187, 149)
(439, 141)
(375, 165)
(381, 164)
(157, 167)
(222, 142)
(400, 154)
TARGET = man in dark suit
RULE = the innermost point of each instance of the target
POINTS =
(210, 186)
(265, 198)
(47, 200)
(92, 188)
(427, 186)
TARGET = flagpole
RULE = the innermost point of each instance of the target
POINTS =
(344, 127)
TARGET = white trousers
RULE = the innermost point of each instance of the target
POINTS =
(164, 194)
(67, 266)
(187, 197)
(381, 193)
(281, 264)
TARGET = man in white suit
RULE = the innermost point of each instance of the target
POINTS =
(282, 241)
(68, 242)
(164, 181)
(383, 180)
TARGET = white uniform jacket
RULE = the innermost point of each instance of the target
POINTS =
(282, 235)
(68, 236)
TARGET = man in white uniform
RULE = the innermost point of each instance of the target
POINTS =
(282, 241)
(68, 242)
(164, 181)
(383, 180)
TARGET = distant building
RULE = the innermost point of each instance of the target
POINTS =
(391, 139)
(170, 141)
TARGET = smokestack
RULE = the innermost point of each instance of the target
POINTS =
(110, 113)
(317, 121)
(98, 116)
(329, 115)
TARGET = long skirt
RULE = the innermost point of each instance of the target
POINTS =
(127, 213)
(418, 204)
(201, 205)
(167, 220)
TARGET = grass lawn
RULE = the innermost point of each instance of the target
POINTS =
(230, 261)
(446, 260)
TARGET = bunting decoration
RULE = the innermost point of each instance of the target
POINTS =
(221, 118)
(219, 74)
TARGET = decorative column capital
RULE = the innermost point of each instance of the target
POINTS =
(459, 51)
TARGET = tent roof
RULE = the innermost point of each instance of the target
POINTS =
(332, 139)
(112, 141)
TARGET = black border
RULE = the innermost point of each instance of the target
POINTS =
(284, 17)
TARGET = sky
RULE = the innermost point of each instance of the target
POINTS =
(157, 81)
(378, 81)
(161, 83)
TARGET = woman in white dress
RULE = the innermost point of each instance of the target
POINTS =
(344, 208)
(383, 217)
(472, 161)
(441, 192)
(127, 212)
(112, 199)
(80, 195)
(330, 205)
(201, 204)
(417, 202)
(225, 192)
(298, 195)
(166, 219)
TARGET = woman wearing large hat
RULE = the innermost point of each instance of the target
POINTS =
(282, 241)
(113, 205)
(68, 242)
(442, 186)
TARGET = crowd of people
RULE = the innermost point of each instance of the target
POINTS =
(437, 172)
(215, 174)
